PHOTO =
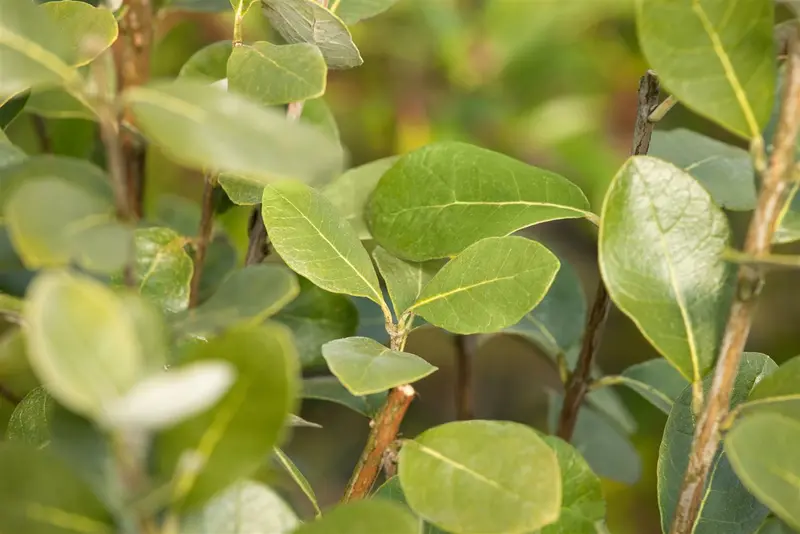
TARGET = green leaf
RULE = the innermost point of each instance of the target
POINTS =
(659, 227)
(209, 64)
(10, 306)
(277, 74)
(306, 21)
(244, 508)
(11, 108)
(40, 495)
(315, 242)
(9, 154)
(230, 440)
(582, 503)
(316, 317)
(436, 201)
(248, 296)
(405, 280)
(789, 227)
(392, 490)
(15, 370)
(489, 286)
(352, 11)
(762, 449)
(56, 103)
(363, 517)
(775, 526)
(725, 171)
(242, 191)
(657, 381)
(299, 478)
(89, 30)
(33, 50)
(199, 6)
(202, 126)
(328, 388)
(317, 113)
(467, 477)
(695, 47)
(778, 392)
(365, 366)
(221, 260)
(350, 192)
(728, 507)
(29, 422)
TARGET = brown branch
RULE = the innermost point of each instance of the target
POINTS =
(203, 238)
(465, 409)
(40, 127)
(578, 385)
(774, 194)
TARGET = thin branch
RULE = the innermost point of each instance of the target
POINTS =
(764, 260)
(40, 127)
(578, 384)
(774, 193)
(203, 238)
(465, 409)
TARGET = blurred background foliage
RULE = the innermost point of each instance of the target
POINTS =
(551, 82)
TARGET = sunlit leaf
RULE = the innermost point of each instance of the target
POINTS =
(328, 388)
(209, 64)
(89, 30)
(352, 11)
(405, 280)
(29, 422)
(363, 517)
(298, 477)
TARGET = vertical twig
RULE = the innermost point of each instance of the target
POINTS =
(774, 194)
(465, 409)
(40, 127)
(579, 381)
(203, 237)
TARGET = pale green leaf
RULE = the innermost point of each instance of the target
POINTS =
(29, 422)
(481, 477)
(774, 525)
(328, 388)
(728, 507)
(404, 279)
(89, 30)
(489, 286)
(365, 366)
(242, 191)
(393, 491)
(206, 127)
(314, 240)
(363, 517)
(56, 103)
(352, 11)
(725, 171)
(277, 74)
(230, 440)
(660, 253)
(9, 154)
(789, 227)
(306, 21)
(317, 113)
(436, 201)
(298, 477)
(209, 64)
(657, 381)
(10, 306)
(695, 46)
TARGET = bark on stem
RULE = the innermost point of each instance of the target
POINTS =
(203, 238)
(773, 196)
(578, 385)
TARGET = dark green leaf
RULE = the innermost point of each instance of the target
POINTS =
(29, 423)
(221, 260)
(655, 380)
(778, 392)
(363, 517)
(56, 103)
(299, 478)
(11, 108)
(404, 280)
(352, 11)
(328, 388)
(209, 64)
(89, 30)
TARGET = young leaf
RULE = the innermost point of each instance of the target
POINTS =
(316, 317)
(245, 296)
(316, 242)
(277, 74)
(363, 517)
(365, 366)
(230, 440)
(29, 422)
(242, 191)
(205, 127)
(728, 507)
(352, 11)
(436, 201)
(328, 388)
(306, 21)
(695, 46)
(299, 478)
(40, 495)
(489, 286)
(404, 279)
(89, 30)
(209, 64)
(778, 392)
(660, 253)
(481, 477)
(725, 171)
(657, 381)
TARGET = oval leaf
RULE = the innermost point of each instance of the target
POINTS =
(481, 477)
(436, 201)
(352, 11)
(89, 30)
(29, 423)
(365, 366)
(363, 517)
(778, 392)
(660, 253)
(209, 64)
(328, 388)
(489, 286)
(404, 279)
(655, 380)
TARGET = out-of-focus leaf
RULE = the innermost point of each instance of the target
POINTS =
(352, 11)
(298, 477)
(655, 380)
(10, 306)
(773, 525)
(200, 6)
(328, 388)
(317, 113)
(77, 172)
(363, 517)
(178, 213)
(209, 64)
(405, 280)
(393, 491)
(9, 154)
(221, 260)
(11, 108)
(89, 30)
(30, 421)
(56, 103)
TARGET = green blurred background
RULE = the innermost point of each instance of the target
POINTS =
(551, 82)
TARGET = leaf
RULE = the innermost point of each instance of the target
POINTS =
(775, 526)
(277, 74)
(404, 279)
(246, 507)
(299, 478)
(202, 126)
(778, 392)
(350, 192)
(328, 388)
(725, 171)
(40, 495)
(9, 154)
(209, 64)
(242, 191)
(317, 113)
(789, 227)
(221, 260)
(10, 306)
(316, 317)
(316, 243)
(660, 254)
(489, 286)
(11, 108)
(29, 421)
(56, 103)
(695, 46)
(392, 490)
(363, 517)
(230, 440)
(468, 477)
(89, 30)
(657, 381)
(371, 321)
(728, 507)
(352, 11)
(305, 21)
(248, 296)
(365, 366)
(582, 503)
(199, 6)
(33, 50)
